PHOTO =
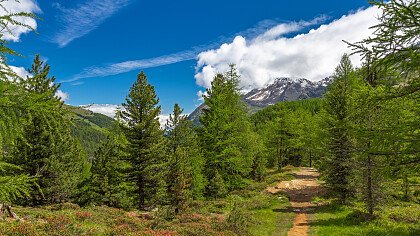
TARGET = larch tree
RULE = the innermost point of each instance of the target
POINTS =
(47, 149)
(227, 137)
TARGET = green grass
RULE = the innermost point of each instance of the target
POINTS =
(396, 220)
(273, 220)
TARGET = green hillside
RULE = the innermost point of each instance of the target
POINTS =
(90, 128)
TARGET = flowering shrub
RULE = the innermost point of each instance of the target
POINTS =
(83, 215)
(22, 229)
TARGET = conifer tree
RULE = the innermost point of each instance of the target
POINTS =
(107, 184)
(226, 134)
(46, 149)
(339, 144)
(140, 123)
(185, 160)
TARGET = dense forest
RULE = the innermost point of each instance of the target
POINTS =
(363, 136)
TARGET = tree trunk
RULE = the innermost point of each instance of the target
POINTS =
(140, 192)
(6, 208)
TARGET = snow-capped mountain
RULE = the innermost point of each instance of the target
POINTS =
(286, 89)
(282, 89)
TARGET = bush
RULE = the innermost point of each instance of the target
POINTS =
(238, 219)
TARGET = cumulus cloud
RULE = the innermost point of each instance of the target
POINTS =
(201, 95)
(62, 95)
(191, 54)
(20, 71)
(81, 20)
(312, 55)
(11, 7)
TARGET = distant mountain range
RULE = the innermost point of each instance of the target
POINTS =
(282, 89)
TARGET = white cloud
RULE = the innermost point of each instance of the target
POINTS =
(126, 66)
(111, 110)
(162, 120)
(81, 20)
(312, 55)
(105, 109)
(62, 95)
(13, 6)
(201, 95)
(20, 71)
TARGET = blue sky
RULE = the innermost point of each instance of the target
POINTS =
(97, 47)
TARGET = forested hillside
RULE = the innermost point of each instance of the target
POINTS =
(68, 171)
(90, 128)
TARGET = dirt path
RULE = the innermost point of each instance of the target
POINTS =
(300, 192)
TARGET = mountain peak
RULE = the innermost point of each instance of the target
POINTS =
(286, 89)
(282, 89)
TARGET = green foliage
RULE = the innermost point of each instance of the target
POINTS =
(107, 184)
(290, 132)
(185, 178)
(140, 123)
(217, 186)
(13, 186)
(338, 163)
(46, 148)
(227, 139)
(394, 44)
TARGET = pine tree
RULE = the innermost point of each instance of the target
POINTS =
(185, 161)
(140, 123)
(339, 144)
(40, 82)
(107, 183)
(217, 186)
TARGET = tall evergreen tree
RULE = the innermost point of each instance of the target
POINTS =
(140, 123)
(226, 135)
(339, 144)
(107, 183)
(185, 160)
(46, 149)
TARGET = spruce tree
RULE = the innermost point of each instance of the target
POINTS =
(336, 116)
(185, 161)
(107, 183)
(140, 123)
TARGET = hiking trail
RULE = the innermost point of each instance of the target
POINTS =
(300, 192)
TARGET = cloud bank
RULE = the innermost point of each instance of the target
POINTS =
(12, 6)
(312, 55)
(105, 109)
(81, 20)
